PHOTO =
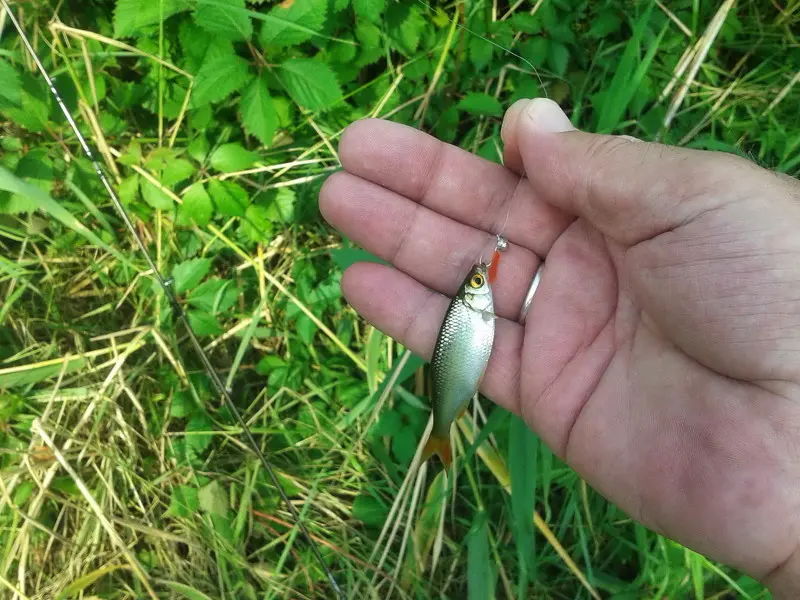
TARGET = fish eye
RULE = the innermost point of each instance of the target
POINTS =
(476, 281)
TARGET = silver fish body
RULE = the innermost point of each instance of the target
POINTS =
(460, 356)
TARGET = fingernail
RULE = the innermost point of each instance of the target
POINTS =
(546, 115)
(511, 117)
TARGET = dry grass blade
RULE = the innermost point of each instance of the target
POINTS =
(703, 46)
(37, 428)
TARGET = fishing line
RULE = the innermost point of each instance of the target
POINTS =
(496, 45)
(175, 305)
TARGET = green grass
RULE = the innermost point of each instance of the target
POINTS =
(123, 475)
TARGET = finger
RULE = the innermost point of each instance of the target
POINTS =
(412, 314)
(631, 191)
(435, 250)
(451, 181)
(512, 158)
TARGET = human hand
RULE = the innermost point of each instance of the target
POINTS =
(660, 357)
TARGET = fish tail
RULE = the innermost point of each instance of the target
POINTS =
(438, 444)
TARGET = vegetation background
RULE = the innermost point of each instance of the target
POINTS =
(122, 474)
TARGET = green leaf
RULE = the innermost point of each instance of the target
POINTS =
(405, 24)
(154, 196)
(389, 424)
(306, 328)
(218, 78)
(197, 442)
(198, 148)
(282, 208)
(81, 583)
(369, 36)
(369, 510)
(230, 198)
(204, 323)
(196, 207)
(604, 23)
(129, 188)
(181, 405)
(282, 29)
(257, 225)
(369, 9)
(131, 16)
(176, 170)
(226, 18)
(10, 86)
(232, 157)
(522, 453)
(258, 112)
(183, 501)
(480, 575)
(310, 83)
(627, 76)
(344, 257)
(189, 273)
(558, 57)
(480, 52)
(480, 104)
(213, 499)
(214, 295)
(404, 444)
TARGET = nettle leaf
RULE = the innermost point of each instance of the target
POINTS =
(480, 104)
(309, 14)
(369, 9)
(405, 24)
(197, 206)
(131, 16)
(480, 52)
(204, 323)
(154, 196)
(258, 112)
(214, 295)
(213, 499)
(189, 273)
(10, 86)
(183, 501)
(128, 188)
(558, 57)
(227, 18)
(282, 208)
(230, 198)
(176, 170)
(310, 83)
(198, 148)
(232, 157)
(257, 226)
(218, 78)
(369, 36)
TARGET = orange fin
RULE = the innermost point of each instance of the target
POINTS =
(440, 445)
(494, 266)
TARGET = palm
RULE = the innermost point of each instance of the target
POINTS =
(602, 381)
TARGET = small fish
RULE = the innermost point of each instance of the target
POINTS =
(460, 357)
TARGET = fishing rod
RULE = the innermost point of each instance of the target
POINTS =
(177, 309)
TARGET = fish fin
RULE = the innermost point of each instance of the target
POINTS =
(440, 445)
(462, 411)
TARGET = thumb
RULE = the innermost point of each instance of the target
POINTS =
(628, 189)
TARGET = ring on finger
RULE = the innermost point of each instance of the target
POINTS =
(531, 291)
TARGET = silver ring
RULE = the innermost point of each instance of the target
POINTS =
(531, 291)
